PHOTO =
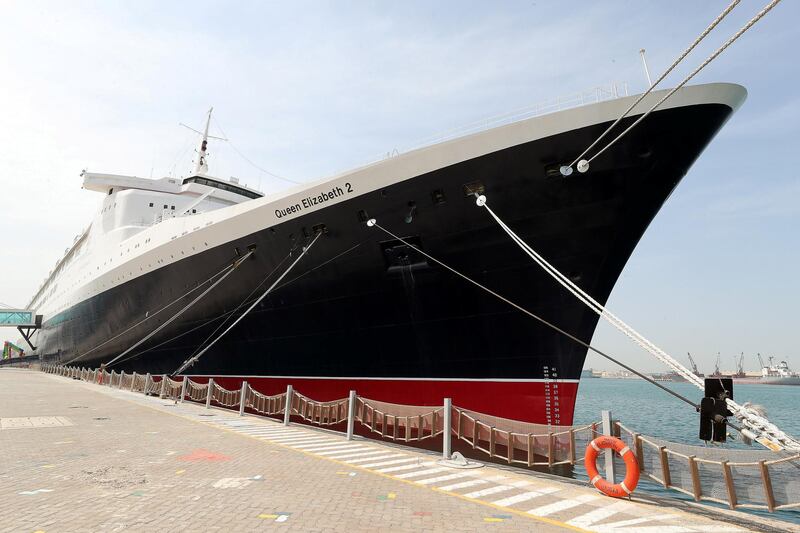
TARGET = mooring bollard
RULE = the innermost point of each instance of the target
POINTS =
(287, 409)
(242, 397)
(210, 389)
(446, 436)
(351, 414)
(183, 387)
(609, 454)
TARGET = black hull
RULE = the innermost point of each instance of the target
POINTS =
(352, 308)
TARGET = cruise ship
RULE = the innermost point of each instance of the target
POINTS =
(168, 265)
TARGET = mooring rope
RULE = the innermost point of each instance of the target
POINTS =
(149, 316)
(192, 360)
(766, 433)
(583, 165)
(183, 309)
(659, 80)
(373, 223)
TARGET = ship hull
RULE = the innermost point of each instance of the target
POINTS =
(361, 311)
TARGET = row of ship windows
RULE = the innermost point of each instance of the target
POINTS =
(130, 274)
(172, 207)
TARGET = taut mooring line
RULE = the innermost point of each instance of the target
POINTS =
(186, 307)
(192, 360)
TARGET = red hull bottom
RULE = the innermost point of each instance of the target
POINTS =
(539, 402)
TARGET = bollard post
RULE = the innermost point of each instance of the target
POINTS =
(210, 390)
(446, 436)
(351, 414)
(608, 430)
(146, 382)
(287, 409)
(133, 381)
(242, 398)
(183, 387)
(163, 386)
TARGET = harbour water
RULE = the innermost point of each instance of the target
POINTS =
(640, 406)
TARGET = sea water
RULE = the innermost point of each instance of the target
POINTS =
(646, 409)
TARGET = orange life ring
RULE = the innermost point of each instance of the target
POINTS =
(620, 490)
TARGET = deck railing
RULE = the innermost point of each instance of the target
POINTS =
(738, 478)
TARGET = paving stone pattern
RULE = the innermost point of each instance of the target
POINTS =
(129, 462)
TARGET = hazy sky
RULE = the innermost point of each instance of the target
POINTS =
(305, 89)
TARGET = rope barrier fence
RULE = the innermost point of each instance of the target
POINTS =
(750, 479)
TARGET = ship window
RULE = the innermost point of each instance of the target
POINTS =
(151, 204)
(223, 186)
(194, 211)
(110, 191)
(173, 208)
(165, 206)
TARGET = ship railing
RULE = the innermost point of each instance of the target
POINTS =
(749, 479)
(600, 93)
(397, 422)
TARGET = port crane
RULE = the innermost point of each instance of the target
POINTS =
(716, 373)
(694, 366)
(739, 364)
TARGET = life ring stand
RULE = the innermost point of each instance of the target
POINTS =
(619, 490)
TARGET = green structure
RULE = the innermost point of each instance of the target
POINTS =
(12, 350)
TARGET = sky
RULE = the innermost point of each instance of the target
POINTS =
(307, 89)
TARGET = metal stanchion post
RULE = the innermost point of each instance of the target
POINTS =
(607, 430)
(183, 387)
(210, 390)
(242, 398)
(133, 381)
(287, 409)
(351, 414)
(146, 383)
(446, 443)
(163, 386)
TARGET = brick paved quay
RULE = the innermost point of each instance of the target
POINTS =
(75, 456)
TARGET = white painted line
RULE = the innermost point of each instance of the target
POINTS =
(598, 514)
(309, 446)
(487, 492)
(388, 463)
(562, 505)
(362, 457)
(525, 496)
(265, 433)
(291, 441)
(326, 447)
(444, 478)
(464, 484)
(398, 468)
(634, 521)
(423, 472)
(353, 448)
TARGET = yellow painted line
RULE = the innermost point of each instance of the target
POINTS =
(545, 520)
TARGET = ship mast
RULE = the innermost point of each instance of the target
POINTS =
(202, 165)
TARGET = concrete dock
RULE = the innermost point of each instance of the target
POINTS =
(81, 457)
